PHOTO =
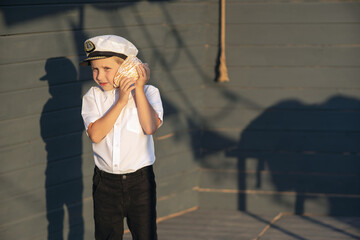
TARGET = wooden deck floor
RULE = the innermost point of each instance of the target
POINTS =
(229, 225)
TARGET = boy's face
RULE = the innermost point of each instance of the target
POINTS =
(104, 71)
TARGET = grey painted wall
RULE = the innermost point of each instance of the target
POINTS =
(282, 135)
(45, 154)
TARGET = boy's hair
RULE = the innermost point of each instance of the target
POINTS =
(118, 60)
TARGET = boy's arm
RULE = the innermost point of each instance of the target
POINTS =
(101, 127)
(149, 119)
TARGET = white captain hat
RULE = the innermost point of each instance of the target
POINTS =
(105, 46)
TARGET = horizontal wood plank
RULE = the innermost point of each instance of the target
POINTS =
(81, 15)
(298, 180)
(287, 141)
(279, 162)
(294, 56)
(295, 77)
(307, 119)
(235, 97)
(65, 17)
(258, 203)
(287, 34)
(292, 12)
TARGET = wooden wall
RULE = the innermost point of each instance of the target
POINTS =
(46, 157)
(283, 134)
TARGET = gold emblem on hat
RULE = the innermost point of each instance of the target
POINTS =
(89, 46)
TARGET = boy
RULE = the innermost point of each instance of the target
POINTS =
(120, 122)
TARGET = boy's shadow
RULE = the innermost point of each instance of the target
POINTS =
(61, 130)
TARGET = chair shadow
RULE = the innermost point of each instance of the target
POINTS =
(308, 150)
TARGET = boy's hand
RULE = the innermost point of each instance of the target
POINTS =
(144, 75)
(126, 85)
(148, 117)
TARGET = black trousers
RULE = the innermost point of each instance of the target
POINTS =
(117, 196)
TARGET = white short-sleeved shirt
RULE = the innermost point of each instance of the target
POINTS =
(126, 148)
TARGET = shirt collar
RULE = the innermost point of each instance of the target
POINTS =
(109, 94)
(112, 93)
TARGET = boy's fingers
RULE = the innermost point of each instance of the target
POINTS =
(144, 71)
(147, 70)
(127, 84)
(126, 80)
(146, 67)
(140, 70)
(132, 87)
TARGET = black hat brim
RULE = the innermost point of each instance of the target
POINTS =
(100, 55)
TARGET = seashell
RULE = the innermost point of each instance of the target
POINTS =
(127, 69)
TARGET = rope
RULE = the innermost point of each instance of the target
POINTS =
(223, 72)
